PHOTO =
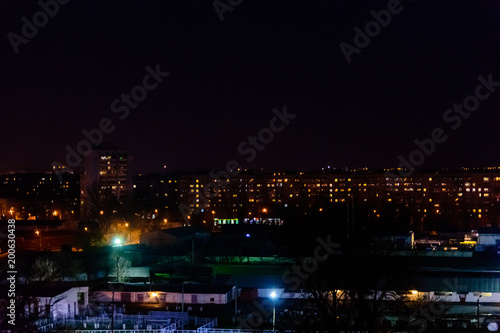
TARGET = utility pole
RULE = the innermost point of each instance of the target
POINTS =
(274, 315)
(236, 301)
(184, 282)
(478, 325)
(113, 312)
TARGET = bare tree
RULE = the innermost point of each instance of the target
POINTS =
(45, 270)
(50, 270)
(358, 290)
(119, 267)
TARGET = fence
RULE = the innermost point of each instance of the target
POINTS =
(153, 322)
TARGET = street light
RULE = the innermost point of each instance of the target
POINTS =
(273, 297)
(478, 324)
(38, 233)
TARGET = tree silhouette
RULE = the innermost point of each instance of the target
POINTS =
(119, 266)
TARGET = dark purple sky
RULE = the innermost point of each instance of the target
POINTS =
(226, 77)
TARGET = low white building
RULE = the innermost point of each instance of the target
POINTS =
(488, 237)
(60, 301)
(166, 294)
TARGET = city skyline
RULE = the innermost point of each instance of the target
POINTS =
(273, 165)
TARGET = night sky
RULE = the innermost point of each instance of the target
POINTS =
(226, 77)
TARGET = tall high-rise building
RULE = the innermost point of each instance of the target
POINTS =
(105, 179)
